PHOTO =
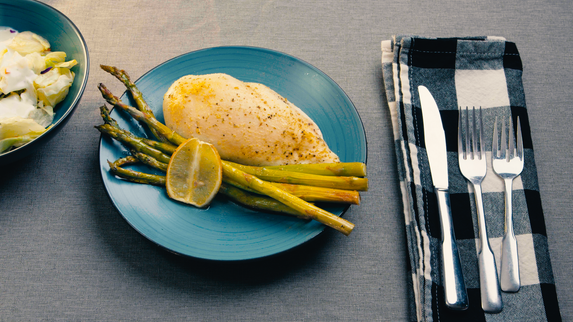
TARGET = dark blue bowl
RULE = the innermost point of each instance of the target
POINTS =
(63, 35)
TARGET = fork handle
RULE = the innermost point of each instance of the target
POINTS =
(455, 293)
(490, 296)
(509, 254)
(491, 301)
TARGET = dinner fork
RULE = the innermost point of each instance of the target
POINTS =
(507, 162)
(472, 162)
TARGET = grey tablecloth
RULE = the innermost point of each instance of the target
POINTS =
(66, 253)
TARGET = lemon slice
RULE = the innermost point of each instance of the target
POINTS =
(194, 173)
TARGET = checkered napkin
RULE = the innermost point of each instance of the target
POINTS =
(479, 71)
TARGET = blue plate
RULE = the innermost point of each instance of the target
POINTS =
(226, 231)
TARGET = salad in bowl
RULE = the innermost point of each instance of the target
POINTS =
(33, 80)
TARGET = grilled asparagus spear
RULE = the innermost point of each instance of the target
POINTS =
(338, 182)
(286, 198)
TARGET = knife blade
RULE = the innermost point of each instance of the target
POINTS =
(455, 292)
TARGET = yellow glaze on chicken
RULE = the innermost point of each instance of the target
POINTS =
(248, 123)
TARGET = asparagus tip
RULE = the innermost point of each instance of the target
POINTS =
(110, 69)
(107, 94)
(104, 110)
(119, 73)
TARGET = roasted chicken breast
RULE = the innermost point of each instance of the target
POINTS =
(248, 123)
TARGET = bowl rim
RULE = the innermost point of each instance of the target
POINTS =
(73, 105)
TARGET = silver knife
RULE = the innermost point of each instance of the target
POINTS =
(456, 297)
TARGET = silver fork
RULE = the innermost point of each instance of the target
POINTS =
(507, 162)
(472, 162)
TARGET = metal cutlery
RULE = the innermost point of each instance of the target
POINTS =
(507, 162)
(455, 293)
(472, 163)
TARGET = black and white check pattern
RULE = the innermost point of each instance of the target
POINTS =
(479, 71)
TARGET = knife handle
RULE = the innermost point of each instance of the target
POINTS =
(456, 296)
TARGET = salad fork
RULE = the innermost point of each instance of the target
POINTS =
(472, 162)
(507, 162)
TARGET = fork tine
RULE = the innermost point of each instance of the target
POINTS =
(519, 140)
(475, 150)
(503, 150)
(460, 125)
(481, 146)
(494, 143)
(468, 133)
(511, 140)
(467, 152)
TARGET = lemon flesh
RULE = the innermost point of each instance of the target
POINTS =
(194, 173)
